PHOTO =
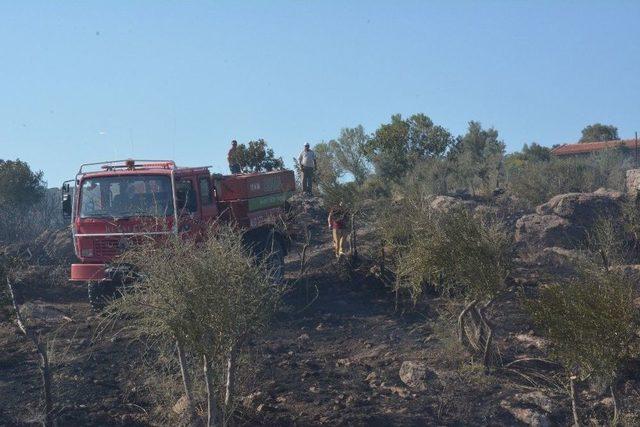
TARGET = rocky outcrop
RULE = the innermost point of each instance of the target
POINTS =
(565, 220)
(583, 208)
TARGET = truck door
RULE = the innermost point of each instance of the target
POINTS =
(187, 204)
(207, 202)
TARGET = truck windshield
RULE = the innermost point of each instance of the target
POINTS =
(126, 196)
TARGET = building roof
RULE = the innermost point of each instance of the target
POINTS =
(591, 147)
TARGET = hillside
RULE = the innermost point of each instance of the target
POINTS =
(340, 351)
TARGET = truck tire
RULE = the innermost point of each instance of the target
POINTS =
(100, 293)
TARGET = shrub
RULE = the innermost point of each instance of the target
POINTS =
(592, 323)
(462, 255)
(209, 297)
(538, 181)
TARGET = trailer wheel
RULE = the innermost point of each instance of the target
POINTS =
(100, 293)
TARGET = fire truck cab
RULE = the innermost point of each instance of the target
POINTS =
(113, 205)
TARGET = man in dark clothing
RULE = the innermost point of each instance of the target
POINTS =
(308, 164)
(232, 158)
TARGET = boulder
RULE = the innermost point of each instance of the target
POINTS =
(583, 208)
(633, 182)
(566, 218)
(547, 230)
(416, 375)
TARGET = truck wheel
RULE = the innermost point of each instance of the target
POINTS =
(100, 293)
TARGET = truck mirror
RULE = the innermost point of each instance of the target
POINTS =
(66, 201)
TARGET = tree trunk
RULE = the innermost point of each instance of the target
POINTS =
(186, 380)
(41, 349)
(353, 243)
(231, 379)
(574, 404)
(212, 406)
(461, 333)
(46, 383)
(614, 422)
(486, 352)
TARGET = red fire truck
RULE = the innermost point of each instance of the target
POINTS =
(112, 205)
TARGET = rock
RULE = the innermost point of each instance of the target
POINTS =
(415, 374)
(371, 377)
(250, 400)
(372, 353)
(565, 219)
(303, 337)
(583, 208)
(633, 182)
(180, 406)
(542, 231)
(529, 416)
(445, 204)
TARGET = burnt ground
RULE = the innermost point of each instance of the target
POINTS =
(331, 357)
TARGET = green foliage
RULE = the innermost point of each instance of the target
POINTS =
(599, 132)
(328, 170)
(20, 187)
(538, 181)
(591, 321)
(396, 146)
(456, 251)
(428, 177)
(257, 157)
(348, 151)
(477, 159)
(530, 154)
(208, 294)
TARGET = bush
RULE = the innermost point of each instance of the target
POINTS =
(538, 181)
(592, 323)
(464, 256)
(457, 252)
(209, 297)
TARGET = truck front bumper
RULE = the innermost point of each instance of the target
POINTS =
(88, 272)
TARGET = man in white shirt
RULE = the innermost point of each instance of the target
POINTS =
(308, 165)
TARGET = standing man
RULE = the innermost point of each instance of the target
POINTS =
(308, 165)
(232, 157)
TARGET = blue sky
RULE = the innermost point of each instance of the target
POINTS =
(87, 81)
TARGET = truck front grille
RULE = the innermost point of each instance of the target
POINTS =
(106, 247)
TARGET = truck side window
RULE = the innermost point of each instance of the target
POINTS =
(205, 191)
(186, 196)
